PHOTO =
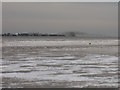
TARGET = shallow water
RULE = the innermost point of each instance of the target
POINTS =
(74, 65)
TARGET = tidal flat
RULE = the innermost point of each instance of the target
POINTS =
(38, 62)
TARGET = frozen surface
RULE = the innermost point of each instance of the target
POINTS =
(66, 63)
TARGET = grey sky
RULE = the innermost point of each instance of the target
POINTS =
(100, 18)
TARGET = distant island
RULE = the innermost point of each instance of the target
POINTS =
(32, 34)
(40, 34)
(63, 34)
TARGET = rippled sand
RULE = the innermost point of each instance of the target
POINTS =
(59, 62)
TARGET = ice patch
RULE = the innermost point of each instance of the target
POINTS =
(89, 68)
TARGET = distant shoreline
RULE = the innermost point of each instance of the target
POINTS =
(65, 34)
(57, 37)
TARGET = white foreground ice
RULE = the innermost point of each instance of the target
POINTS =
(101, 70)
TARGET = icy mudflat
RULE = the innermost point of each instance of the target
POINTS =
(66, 63)
(61, 43)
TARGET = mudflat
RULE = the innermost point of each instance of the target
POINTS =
(59, 62)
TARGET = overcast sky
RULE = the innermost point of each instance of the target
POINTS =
(100, 18)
